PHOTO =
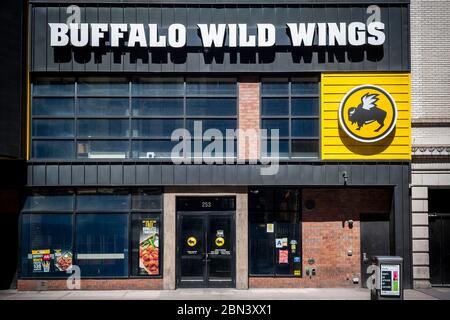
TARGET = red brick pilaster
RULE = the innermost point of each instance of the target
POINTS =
(249, 118)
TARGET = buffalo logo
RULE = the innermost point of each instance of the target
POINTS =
(367, 113)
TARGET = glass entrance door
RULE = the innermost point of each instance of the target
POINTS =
(205, 246)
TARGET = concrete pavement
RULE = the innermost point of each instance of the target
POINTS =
(219, 294)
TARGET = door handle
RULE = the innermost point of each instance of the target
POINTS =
(206, 258)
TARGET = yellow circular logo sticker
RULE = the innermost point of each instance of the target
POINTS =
(220, 241)
(191, 241)
(367, 113)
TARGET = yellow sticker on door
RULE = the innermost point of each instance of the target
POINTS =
(220, 241)
(191, 241)
(367, 113)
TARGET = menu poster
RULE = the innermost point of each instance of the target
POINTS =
(390, 280)
(41, 260)
(283, 257)
(63, 260)
(149, 247)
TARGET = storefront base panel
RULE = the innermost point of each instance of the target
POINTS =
(324, 282)
(92, 284)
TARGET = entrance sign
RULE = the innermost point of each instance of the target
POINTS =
(214, 35)
(367, 113)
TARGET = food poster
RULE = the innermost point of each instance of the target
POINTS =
(149, 247)
(283, 256)
(63, 260)
(41, 260)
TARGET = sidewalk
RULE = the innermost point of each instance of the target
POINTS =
(219, 294)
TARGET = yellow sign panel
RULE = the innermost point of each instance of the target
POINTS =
(191, 241)
(366, 116)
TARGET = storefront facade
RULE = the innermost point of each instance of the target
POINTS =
(110, 84)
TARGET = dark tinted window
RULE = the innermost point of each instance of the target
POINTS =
(102, 244)
(119, 118)
(53, 106)
(156, 127)
(211, 107)
(53, 149)
(292, 107)
(157, 106)
(274, 231)
(49, 203)
(103, 107)
(103, 149)
(158, 87)
(210, 86)
(103, 128)
(46, 245)
(54, 127)
(149, 149)
(101, 88)
(54, 88)
(102, 202)
(305, 107)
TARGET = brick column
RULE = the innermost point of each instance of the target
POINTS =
(249, 115)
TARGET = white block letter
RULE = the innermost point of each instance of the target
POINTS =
(244, 40)
(58, 34)
(177, 35)
(266, 34)
(154, 40)
(232, 35)
(117, 30)
(376, 34)
(337, 34)
(302, 33)
(137, 35)
(322, 34)
(79, 34)
(98, 32)
(357, 33)
(214, 35)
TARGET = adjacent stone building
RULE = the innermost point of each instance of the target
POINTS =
(430, 66)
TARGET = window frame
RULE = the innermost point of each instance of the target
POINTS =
(74, 212)
(130, 117)
(290, 96)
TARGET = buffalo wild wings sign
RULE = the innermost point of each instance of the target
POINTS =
(368, 113)
(216, 35)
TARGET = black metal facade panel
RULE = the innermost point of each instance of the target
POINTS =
(161, 174)
(11, 81)
(234, 2)
(393, 55)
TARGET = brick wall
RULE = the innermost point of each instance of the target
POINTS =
(92, 284)
(326, 240)
(249, 117)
